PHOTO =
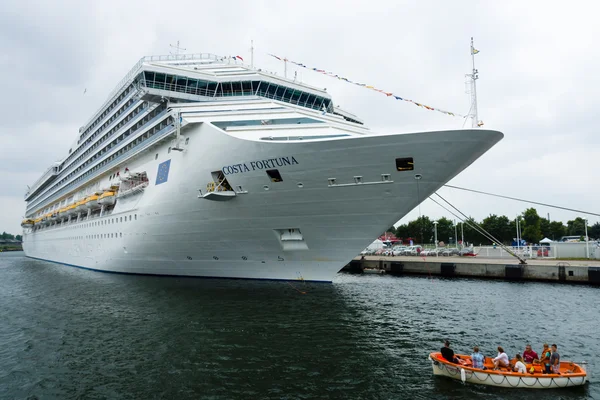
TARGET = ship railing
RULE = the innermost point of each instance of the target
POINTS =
(138, 66)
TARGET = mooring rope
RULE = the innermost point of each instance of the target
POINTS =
(477, 227)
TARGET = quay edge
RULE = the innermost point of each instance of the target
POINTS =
(506, 269)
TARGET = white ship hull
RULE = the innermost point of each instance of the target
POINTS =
(169, 230)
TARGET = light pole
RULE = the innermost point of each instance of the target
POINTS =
(435, 223)
(587, 240)
(455, 235)
(462, 234)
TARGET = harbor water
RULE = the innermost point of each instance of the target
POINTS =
(69, 333)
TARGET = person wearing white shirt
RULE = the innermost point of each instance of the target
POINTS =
(501, 360)
(519, 365)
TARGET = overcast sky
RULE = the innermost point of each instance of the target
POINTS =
(538, 64)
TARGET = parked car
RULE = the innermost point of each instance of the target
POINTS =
(414, 250)
(435, 252)
(450, 252)
(398, 250)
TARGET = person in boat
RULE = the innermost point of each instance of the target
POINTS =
(519, 365)
(477, 358)
(529, 355)
(448, 353)
(546, 348)
(545, 359)
(555, 360)
(501, 360)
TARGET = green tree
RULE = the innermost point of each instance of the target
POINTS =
(402, 231)
(594, 231)
(421, 229)
(576, 227)
(445, 230)
(532, 232)
(471, 235)
(500, 227)
(557, 230)
(545, 228)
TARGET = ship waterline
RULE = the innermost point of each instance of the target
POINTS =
(230, 192)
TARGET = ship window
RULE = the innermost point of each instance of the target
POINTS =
(130, 217)
(274, 175)
(187, 140)
(405, 164)
(135, 216)
(156, 156)
(169, 151)
(247, 87)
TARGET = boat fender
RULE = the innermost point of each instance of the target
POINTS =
(463, 375)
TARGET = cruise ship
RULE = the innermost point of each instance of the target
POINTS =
(200, 165)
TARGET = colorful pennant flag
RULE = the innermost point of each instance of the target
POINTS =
(389, 94)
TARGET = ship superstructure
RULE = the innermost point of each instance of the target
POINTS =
(200, 165)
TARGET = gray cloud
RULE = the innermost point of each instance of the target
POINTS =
(537, 65)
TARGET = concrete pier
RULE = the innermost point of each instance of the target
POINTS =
(587, 272)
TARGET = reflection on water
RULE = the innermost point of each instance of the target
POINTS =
(70, 333)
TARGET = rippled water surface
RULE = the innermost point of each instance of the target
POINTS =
(71, 333)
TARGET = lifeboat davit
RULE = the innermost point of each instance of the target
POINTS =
(107, 198)
(570, 374)
(27, 223)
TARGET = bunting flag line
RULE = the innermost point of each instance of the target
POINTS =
(388, 94)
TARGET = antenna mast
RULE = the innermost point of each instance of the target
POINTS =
(177, 48)
(252, 53)
(474, 75)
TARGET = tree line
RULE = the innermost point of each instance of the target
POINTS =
(533, 229)
(5, 236)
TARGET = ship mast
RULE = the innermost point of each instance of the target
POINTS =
(177, 48)
(473, 76)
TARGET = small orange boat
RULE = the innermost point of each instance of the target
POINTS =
(571, 374)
